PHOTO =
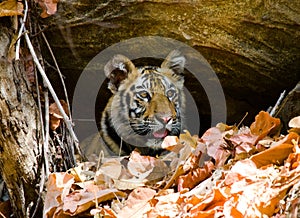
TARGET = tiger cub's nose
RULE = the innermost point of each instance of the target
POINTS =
(166, 119)
(163, 118)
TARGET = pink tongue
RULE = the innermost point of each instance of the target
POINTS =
(160, 133)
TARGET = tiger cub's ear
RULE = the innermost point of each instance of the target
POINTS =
(175, 61)
(116, 70)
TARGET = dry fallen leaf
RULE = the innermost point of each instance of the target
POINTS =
(166, 204)
(109, 171)
(128, 184)
(103, 212)
(111, 168)
(137, 203)
(61, 201)
(209, 205)
(213, 139)
(187, 139)
(293, 160)
(49, 7)
(265, 125)
(260, 185)
(11, 8)
(277, 153)
(82, 172)
(55, 114)
(185, 143)
(140, 195)
(195, 176)
(244, 142)
(58, 186)
(295, 122)
(171, 143)
(83, 199)
(146, 167)
(186, 163)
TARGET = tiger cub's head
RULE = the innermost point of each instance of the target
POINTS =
(146, 106)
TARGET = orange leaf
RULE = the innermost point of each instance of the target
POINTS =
(293, 160)
(277, 153)
(171, 143)
(53, 109)
(81, 200)
(146, 167)
(195, 176)
(273, 155)
(190, 163)
(272, 203)
(295, 122)
(231, 178)
(214, 141)
(57, 185)
(140, 195)
(230, 209)
(265, 125)
(165, 205)
(11, 8)
(55, 114)
(49, 7)
(103, 212)
(187, 139)
(137, 203)
(244, 142)
(290, 137)
(208, 206)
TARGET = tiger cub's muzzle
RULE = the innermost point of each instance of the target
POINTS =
(162, 112)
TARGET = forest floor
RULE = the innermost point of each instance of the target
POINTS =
(229, 171)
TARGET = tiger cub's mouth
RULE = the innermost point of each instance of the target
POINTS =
(166, 123)
(162, 133)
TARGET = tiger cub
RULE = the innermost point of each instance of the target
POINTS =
(147, 104)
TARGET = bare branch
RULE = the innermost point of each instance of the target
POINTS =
(21, 30)
(59, 72)
(46, 80)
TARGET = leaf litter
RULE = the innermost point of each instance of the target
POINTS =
(228, 172)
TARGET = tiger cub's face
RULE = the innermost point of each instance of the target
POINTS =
(147, 103)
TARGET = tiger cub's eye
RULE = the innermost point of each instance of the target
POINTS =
(143, 94)
(171, 93)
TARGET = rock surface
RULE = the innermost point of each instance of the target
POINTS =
(253, 46)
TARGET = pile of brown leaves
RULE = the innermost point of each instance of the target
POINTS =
(228, 172)
(14, 7)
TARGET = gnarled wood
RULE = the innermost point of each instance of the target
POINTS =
(20, 132)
